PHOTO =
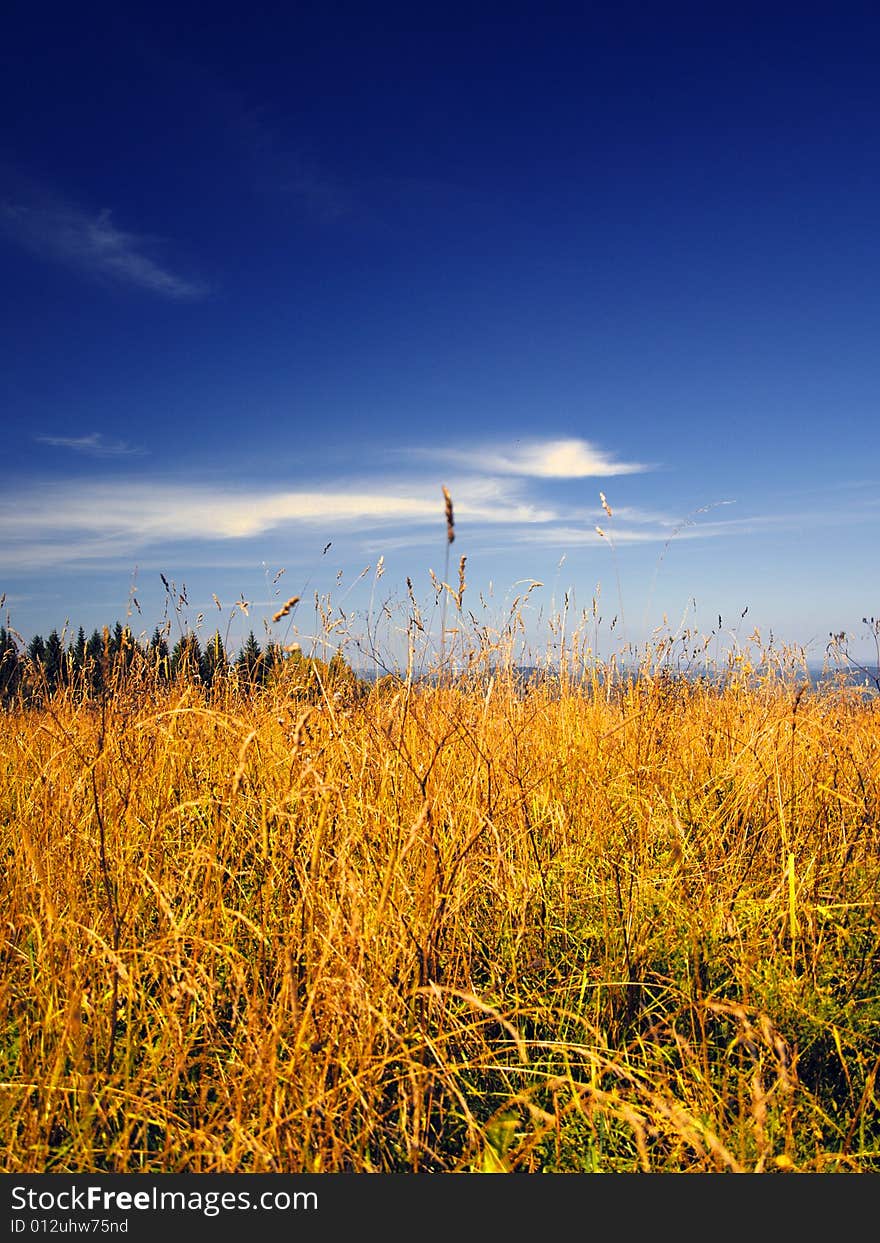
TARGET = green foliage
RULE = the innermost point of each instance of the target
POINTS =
(93, 664)
(214, 663)
(186, 658)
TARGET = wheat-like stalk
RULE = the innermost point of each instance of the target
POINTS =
(285, 608)
(450, 520)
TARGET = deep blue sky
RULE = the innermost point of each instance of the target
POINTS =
(272, 280)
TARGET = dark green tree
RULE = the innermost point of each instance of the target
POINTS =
(123, 648)
(36, 664)
(37, 650)
(273, 658)
(186, 658)
(250, 659)
(117, 640)
(214, 662)
(10, 666)
(77, 653)
(159, 659)
(95, 662)
(53, 660)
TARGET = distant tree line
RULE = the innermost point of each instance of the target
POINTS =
(107, 658)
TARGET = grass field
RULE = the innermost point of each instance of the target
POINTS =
(596, 923)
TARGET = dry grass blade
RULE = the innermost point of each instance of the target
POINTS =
(285, 608)
(597, 919)
(450, 520)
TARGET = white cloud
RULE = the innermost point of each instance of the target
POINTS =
(544, 459)
(88, 520)
(566, 535)
(667, 529)
(95, 444)
(92, 243)
(96, 523)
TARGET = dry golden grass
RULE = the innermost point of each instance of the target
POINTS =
(592, 924)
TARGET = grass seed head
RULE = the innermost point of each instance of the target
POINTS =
(450, 520)
(285, 608)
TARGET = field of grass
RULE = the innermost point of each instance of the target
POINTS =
(599, 923)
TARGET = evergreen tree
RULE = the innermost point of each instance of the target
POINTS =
(78, 652)
(94, 662)
(10, 667)
(160, 662)
(250, 659)
(124, 647)
(37, 651)
(53, 660)
(273, 658)
(36, 663)
(117, 640)
(214, 663)
(186, 657)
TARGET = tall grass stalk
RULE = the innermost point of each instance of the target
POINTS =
(596, 921)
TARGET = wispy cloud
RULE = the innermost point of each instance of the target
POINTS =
(88, 522)
(668, 529)
(92, 519)
(94, 445)
(92, 243)
(542, 459)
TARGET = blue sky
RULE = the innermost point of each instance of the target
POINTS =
(273, 280)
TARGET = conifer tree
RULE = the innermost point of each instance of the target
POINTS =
(10, 666)
(78, 652)
(53, 660)
(117, 640)
(273, 658)
(214, 663)
(124, 647)
(160, 661)
(250, 658)
(186, 657)
(94, 662)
